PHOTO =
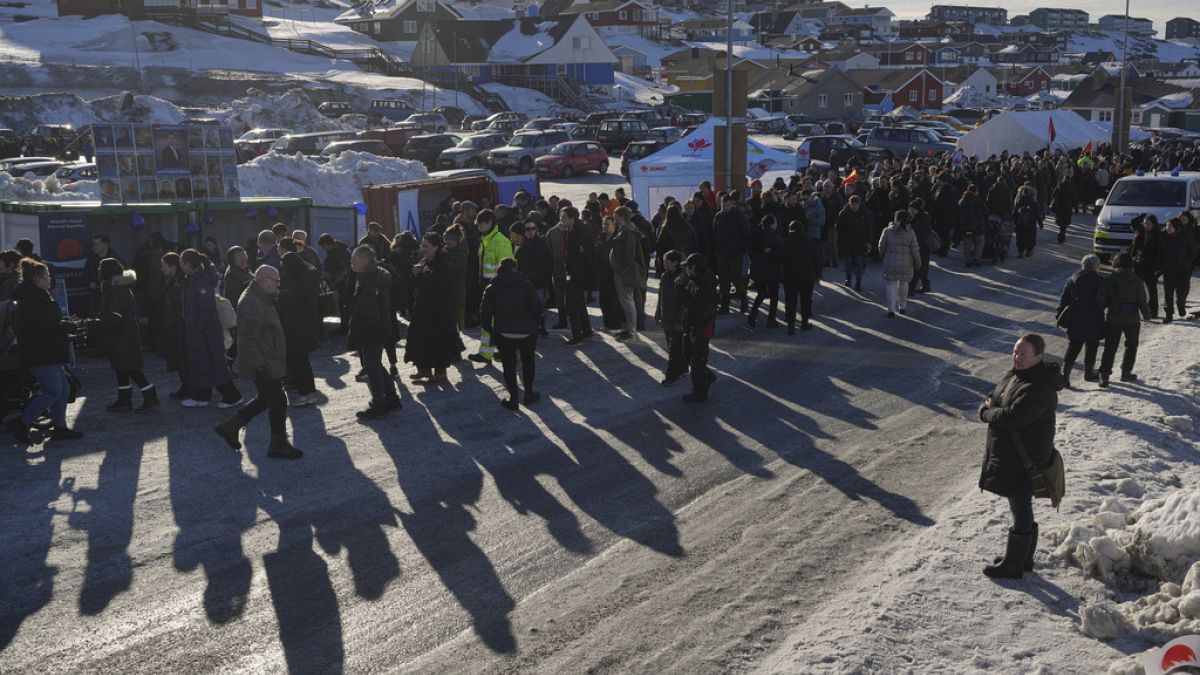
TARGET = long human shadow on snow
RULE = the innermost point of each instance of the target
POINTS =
(341, 508)
(441, 483)
(28, 492)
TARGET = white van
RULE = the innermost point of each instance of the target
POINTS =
(1163, 195)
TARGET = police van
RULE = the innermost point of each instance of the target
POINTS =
(1163, 195)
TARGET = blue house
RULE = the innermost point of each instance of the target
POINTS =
(945, 55)
(526, 52)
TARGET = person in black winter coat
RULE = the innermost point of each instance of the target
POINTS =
(533, 261)
(511, 310)
(802, 266)
(117, 324)
(852, 239)
(1147, 244)
(699, 297)
(371, 329)
(922, 227)
(1020, 410)
(766, 261)
(1027, 213)
(433, 339)
(1062, 203)
(1086, 322)
(1177, 254)
(581, 273)
(669, 314)
(972, 214)
(300, 285)
(731, 240)
(44, 345)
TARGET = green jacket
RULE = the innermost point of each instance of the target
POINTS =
(627, 258)
(493, 248)
(1124, 295)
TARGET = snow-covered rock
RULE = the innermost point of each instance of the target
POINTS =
(1169, 529)
(336, 183)
(1101, 620)
(1179, 422)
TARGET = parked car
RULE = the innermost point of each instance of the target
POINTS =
(797, 118)
(543, 123)
(430, 122)
(523, 149)
(335, 108)
(691, 119)
(669, 134)
(950, 120)
(35, 169)
(394, 138)
(585, 132)
(454, 116)
(804, 129)
(374, 147)
(428, 147)
(571, 158)
(504, 126)
(480, 125)
(769, 125)
(471, 152)
(616, 134)
(652, 118)
(838, 149)
(72, 173)
(263, 134)
(309, 144)
(835, 128)
(637, 150)
(899, 140)
(598, 117)
(942, 129)
(6, 164)
(391, 108)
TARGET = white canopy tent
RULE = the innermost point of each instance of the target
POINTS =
(677, 170)
(1020, 132)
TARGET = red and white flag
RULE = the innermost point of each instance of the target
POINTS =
(1087, 150)
(1052, 134)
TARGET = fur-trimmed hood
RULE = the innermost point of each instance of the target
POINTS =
(127, 278)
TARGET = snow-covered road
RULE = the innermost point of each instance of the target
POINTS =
(611, 527)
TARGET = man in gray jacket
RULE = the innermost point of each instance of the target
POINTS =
(262, 355)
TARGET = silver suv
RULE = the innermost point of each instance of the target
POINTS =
(523, 149)
(434, 123)
(471, 152)
(900, 140)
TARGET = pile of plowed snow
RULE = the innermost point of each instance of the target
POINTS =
(24, 189)
(337, 183)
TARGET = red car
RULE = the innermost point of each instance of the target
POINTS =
(571, 158)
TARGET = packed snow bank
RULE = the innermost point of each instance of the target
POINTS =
(338, 183)
(293, 110)
(528, 101)
(26, 112)
(24, 189)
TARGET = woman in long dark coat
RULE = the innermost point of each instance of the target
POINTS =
(1086, 323)
(610, 306)
(204, 365)
(300, 285)
(1027, 213)
(117, 323)
(433, 341)
(766, 269)
(1021, 407)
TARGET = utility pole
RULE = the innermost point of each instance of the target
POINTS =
(729, 93)
(1121, 121)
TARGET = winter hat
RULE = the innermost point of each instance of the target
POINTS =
(694, 259)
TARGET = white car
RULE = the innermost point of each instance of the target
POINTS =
(35, 169)
(76, 172)
(6, 164)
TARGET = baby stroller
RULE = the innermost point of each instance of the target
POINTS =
(17, 385)
(997, 239)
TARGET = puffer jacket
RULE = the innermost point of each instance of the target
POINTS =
(510, 306)
(901, 253)
(972, 215)
(42, 335)
(118, 323)
(730, 234)
(1023, 403)
(852, 232)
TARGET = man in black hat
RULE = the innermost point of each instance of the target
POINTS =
(699, 298)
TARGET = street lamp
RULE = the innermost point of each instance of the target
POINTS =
(1120, 135)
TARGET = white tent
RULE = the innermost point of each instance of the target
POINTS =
(1020, 132)
(677, 170)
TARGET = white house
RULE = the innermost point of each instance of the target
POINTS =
(851, 60)
(882, 19)
(981, 81)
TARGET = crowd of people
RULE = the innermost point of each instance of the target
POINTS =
(257, 311)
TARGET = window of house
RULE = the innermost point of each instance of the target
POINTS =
(847, 100)
(1105, 115)
(912, 96)
(410, 27)
(1045, 85)
(909, 56)
(1028, 84)
(376, 28)
(822, 101)
(1137, 117)
(622, 15)
(933, 94)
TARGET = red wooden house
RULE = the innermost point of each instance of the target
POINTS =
(1024, 83)
(915, 87)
